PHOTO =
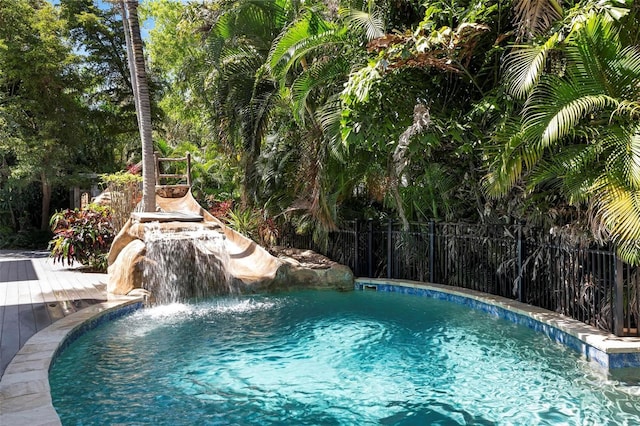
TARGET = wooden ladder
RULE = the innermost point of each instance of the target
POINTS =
(160, 176)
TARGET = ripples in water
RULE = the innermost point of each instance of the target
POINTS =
(329, 358)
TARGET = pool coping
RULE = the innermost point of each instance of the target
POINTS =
(25, 396)
(609, 351)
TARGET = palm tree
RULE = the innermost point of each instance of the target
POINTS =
(141, 96)
(309, 63)
(579, 133)
(240, 90)
(273, 56)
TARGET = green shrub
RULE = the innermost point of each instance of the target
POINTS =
(244, 221)
(83, 236)
(253, 224)
(31, 239)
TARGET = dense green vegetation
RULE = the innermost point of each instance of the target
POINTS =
(315, 112)
(65, 106)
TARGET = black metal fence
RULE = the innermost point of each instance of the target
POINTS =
(588, 284)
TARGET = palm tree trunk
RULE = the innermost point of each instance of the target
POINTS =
(46, 201)
(130, 59)
(143, 105)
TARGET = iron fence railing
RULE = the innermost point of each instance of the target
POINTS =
(588, 284)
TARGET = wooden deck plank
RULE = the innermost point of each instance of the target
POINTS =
(3, 302)
(12, 295)
(61, 291)
(13, 271)
(82, 283)
(52, 292)
(4, 271)
(16, 270)
(90, 283)
(41, 316)
(70, 288)
(10, 336)
(26, 316)
(46, 291)
(24, 294)
(34, 293)
(55, 311)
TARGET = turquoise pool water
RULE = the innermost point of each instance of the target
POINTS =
(328, 358)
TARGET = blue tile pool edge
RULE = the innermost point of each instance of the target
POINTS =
(102, 317)
(555, 326)
(25, 396)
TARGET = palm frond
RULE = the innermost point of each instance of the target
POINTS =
(629, 67)
(320, 75)
(556, 107)
(534, 17)
(619, 207)
(594, 51)
(631, 108)
(629, 251)
(571, 171)
(432, 196)
(299, 46)
(624, 155)
(508, 163)
(370, 23)
(224, 27)
(569, 115)
(288, 41)
(524, 66)
(239, 60)
(263, 101)
(260, 21)
(328, 117)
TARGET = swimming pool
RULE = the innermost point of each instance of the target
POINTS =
(329, 358)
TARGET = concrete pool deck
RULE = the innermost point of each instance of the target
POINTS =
(46, 305)
(40, 304)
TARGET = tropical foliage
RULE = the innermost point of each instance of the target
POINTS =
(320, 111)
(579, 131)
(66, 109)
(83, 236)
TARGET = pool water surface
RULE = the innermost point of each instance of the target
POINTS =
(329, 358)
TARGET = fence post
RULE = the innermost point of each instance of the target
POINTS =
(389, 248)
(618, 310)
(520, 277)
(370, 249)
(432, 253)
(356, 256)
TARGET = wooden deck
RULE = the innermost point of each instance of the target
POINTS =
(34, 293)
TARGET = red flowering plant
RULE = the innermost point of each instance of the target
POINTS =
(83, 236)
(268, 231)
(221, 209)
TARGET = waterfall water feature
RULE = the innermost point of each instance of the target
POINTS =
(186, 263)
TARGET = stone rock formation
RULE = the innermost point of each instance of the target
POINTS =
(242, 264)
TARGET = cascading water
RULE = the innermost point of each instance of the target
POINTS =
(185, 263)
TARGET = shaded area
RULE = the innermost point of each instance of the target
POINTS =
(20, 322)
(17, 270)
(35, 292)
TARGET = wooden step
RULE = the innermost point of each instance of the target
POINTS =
(144, 217)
